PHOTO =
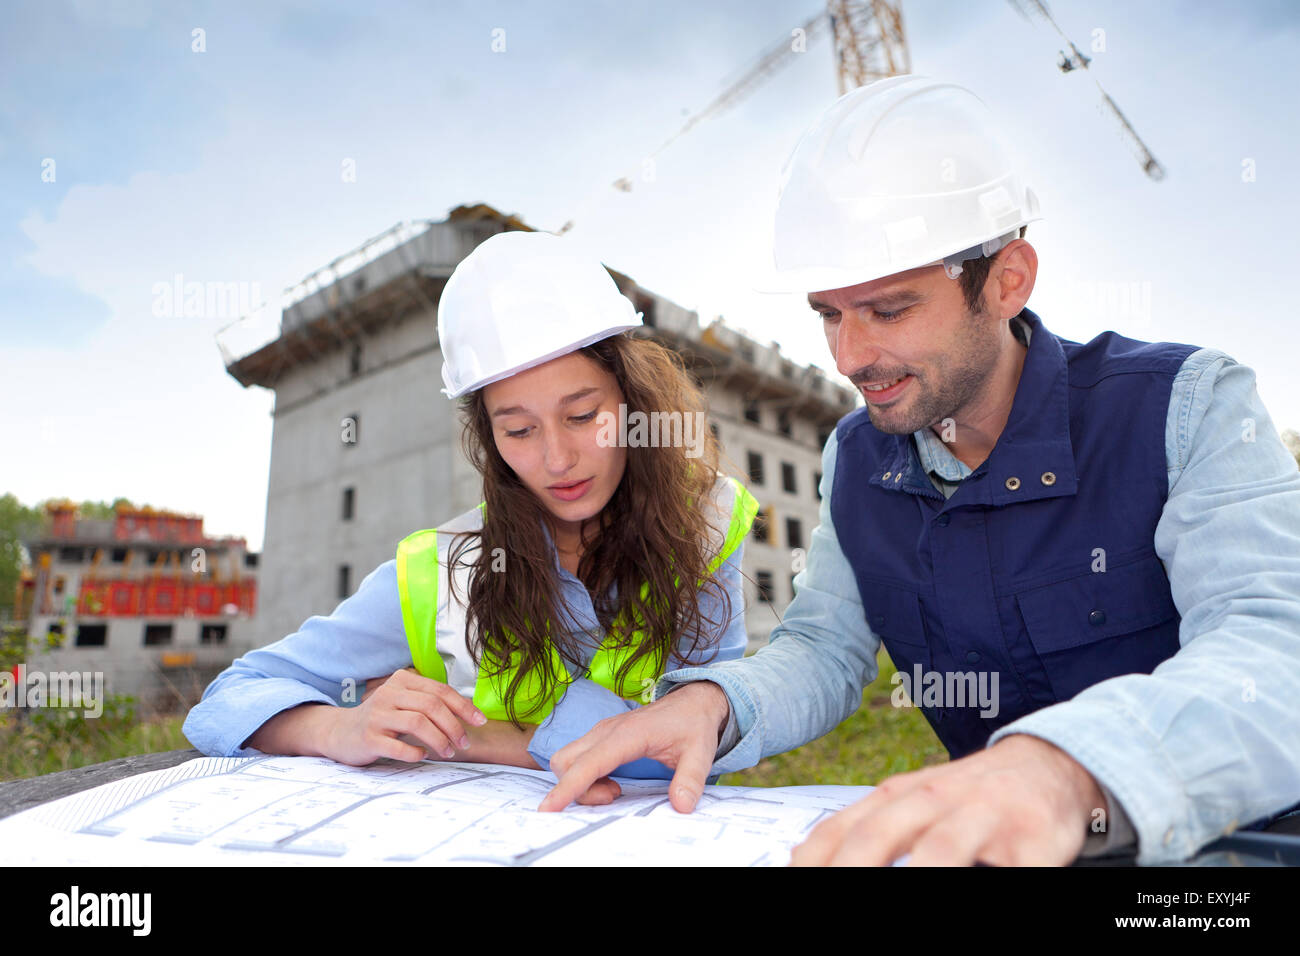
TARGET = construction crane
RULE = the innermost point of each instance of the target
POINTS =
(869, 44)
(1074, 60)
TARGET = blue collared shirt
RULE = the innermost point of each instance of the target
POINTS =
(1208, 742)
(329, 658)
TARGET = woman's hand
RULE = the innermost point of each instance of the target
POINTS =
(378, 682)
(493, 741)
(426, 710)
(500, 742)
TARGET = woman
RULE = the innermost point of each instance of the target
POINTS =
(630, 556)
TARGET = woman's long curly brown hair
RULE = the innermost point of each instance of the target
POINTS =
(652, 531)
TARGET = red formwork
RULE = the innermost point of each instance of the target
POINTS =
(162, 597)
(126, 599)
(206, 598)
(165, 597)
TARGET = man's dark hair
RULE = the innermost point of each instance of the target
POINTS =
(974, 273)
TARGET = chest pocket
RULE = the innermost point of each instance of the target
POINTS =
(1101, 624)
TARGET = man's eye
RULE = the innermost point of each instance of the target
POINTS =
(891, 316)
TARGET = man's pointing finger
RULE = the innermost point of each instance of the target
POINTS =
(580, 775)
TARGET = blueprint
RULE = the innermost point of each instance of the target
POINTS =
(312, 811)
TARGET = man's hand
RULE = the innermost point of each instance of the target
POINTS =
(1021, 802)
(680, 730)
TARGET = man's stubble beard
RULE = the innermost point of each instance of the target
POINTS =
(962, 382)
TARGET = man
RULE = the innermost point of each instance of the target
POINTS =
(1107, 535)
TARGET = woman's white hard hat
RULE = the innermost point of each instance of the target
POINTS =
(521, 299)
(904, 172)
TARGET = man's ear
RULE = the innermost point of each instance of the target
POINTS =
(1013, 278)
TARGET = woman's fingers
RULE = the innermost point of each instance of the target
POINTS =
(419, 726)
(386, 746)
(462, 707)
(427, 710)
(600, 793)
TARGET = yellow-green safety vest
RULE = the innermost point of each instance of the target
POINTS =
(437, 643)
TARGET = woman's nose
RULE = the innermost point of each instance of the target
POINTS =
(559, 454)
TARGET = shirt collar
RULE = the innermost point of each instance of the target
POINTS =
(935, 457)
(1033, 457)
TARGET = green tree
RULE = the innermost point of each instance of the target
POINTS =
(17, 521)
(99, 510)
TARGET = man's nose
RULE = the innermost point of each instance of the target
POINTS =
(560, 453)
(854, 345)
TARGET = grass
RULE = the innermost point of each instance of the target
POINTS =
(876, 742)
(52, 740)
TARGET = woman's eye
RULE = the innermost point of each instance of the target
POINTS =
(516, 434)
(585, 418)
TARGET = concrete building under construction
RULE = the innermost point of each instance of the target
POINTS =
(365, 448)
(144, 597)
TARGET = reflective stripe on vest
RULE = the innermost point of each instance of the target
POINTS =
(417, 585)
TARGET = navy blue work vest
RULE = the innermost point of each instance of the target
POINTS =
(1000, 577)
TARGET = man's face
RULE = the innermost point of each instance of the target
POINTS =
(913, 326)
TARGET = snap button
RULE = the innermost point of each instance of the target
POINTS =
(942, 521)
(972, 656)
(897, 476)
(1013, 483)
(886, 475)
(1048, 478)
(1097, 617)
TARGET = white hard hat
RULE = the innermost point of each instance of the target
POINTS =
(905, 172)
(521, 299)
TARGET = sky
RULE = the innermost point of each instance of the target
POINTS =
(252, 143)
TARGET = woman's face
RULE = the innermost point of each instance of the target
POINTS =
(546, 422)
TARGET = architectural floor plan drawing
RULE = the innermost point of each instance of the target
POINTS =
(311, 811)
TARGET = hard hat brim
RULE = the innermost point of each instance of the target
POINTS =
(772, 281)
(806, 281)
(542, 360)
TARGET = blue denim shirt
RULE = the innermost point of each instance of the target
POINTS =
(1208, 742)
(364, 638)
